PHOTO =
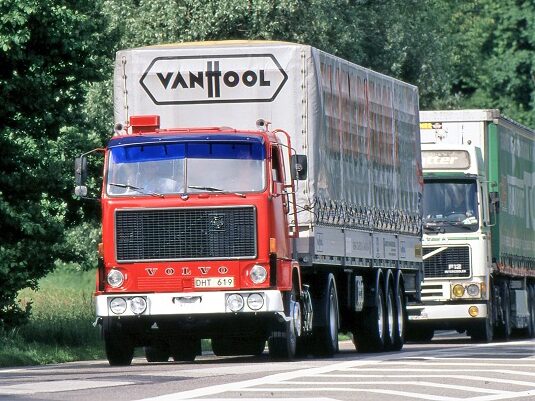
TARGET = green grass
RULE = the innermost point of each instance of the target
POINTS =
(60, 328)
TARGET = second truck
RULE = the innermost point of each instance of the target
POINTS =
(250, 234)
(479, 226)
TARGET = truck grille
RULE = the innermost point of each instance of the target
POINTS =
(451, 262)
(184, 233)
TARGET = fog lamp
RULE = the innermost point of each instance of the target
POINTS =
(472, 290)
(118, 305)
(473, 311)
(138, 305)
(115, 278)
(255, 301)
(458, 290)
(235, 302)
(258, 274)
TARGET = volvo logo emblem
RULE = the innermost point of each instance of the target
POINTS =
(217, 223)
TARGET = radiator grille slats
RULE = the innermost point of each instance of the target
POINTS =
(450, 263)
(184, 233)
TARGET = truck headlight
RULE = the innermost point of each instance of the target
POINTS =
(458, 290)
(258, 274)
(255, 301)
(472, 290)
(138, 305)
(115, 278)
(118, 306)
(235, 302)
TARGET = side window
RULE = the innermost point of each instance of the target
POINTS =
(276, 165)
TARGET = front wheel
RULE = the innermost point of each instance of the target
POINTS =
(282, 343)
(119, 347)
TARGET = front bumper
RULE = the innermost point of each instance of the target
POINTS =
(440, 313)
(190, 303)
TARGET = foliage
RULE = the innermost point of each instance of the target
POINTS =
(55, 334)
(48, 51)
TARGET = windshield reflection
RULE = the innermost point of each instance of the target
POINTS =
(159, 169)
(450, 206)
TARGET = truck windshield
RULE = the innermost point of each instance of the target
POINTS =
(450, 206)
(185, 167)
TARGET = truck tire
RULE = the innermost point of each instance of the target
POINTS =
(530, 331)
(119, 347)
(482, 331)
(420, 334)
(401, 319)
(390, 319)
(325, 337)
(222, 346)
(282, 343)
(185, 350)
(159, 352)
(504, 328)
(370, 335)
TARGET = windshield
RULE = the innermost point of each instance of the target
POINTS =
(450, 206)
(186, 167)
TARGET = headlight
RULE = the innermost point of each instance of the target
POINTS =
(118, 306)
(235, 302)
(138, 305)
(258, 274)
(255, 301)
(115, 278)
(472, 290)
(458, 290)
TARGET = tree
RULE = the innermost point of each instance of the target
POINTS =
(49, 51)
(494, 62)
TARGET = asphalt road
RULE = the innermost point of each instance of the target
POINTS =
(449, 368)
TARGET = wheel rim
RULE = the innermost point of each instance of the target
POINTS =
(332, 317)
(390, 316)
(295, 323)
(380, 317)
(401, 320)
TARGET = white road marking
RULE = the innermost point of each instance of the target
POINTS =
(55, 386)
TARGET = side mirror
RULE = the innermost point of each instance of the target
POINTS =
(298, 167)
(80, 176)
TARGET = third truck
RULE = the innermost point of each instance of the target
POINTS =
(479, 226)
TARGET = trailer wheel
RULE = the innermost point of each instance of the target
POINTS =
(282, 343)
(370, 336)
(390, 319)
(401, 317)
(325, 337)
(119, 347)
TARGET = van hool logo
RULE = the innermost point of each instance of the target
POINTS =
(213, 79)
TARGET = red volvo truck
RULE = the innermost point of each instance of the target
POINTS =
(250, 234)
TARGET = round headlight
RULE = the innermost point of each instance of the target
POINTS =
(458, 290)
(258, 274)
(118, 306)
(138, 305)
(472, 290)
(255, 301)
(115, 278)
(235, 302)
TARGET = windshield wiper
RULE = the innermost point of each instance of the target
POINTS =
(211, 189)
(137, 189)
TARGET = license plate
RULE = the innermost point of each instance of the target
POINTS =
(214, 282)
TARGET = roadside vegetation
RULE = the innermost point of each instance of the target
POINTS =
(60, 327)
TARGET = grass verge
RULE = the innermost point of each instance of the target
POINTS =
(60, 328)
